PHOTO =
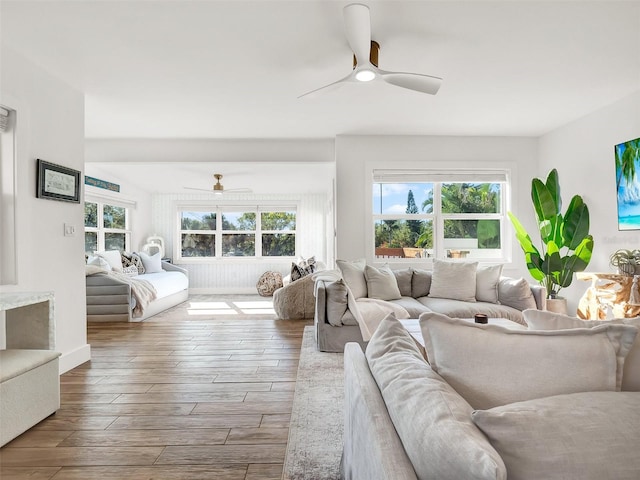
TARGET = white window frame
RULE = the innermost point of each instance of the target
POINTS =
(8, 189)
(100, 230)
(218, 233)
(437, 177)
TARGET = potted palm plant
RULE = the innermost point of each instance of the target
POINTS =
(566, 245)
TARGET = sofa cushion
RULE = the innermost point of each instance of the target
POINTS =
(431, 419)
(455, 280)
(420, 283)
(403, 279)
(353, 275)
(590, 436)
(460, 309)
(630, 371)
(336, 302)
(516, 293)
(373, 311)
(501, 365)
(487, 279)
(381, 283)
(411, 305)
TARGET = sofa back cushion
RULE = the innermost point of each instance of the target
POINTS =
(487, 280)
(491, 365)
(630, 371)
(420, 283)
(381, 283)
(353, 274)
(587, 435)
(454, 280)
(515, 293)
(431, 419)
(403, 279)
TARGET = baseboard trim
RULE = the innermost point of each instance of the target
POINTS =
(74, 358)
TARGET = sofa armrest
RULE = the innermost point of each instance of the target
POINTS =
(170, 267)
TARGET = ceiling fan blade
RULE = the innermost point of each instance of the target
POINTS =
(238, 190)
(199, 189)
(328, 88)
(357, 25)
(412, 81)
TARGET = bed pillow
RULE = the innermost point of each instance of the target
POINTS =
(588, 435)
(432, 420)
(501, 365)
(353, 274)
(516, 293)
(381, 283)
(454, 280)
(487, 280)
(113, 257)
(152, 263)
(630, 371)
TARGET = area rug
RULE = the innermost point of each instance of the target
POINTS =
(316, 429)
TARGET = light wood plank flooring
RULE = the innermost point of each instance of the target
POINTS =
(197, 392)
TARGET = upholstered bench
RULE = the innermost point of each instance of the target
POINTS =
(29, 389)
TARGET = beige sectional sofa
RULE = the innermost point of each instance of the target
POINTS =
(527, 404)
(359, 294)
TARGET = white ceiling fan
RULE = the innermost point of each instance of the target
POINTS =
(219, 189)
(357, 25)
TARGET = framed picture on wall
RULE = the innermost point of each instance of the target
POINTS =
(627, 185)
(56, 182)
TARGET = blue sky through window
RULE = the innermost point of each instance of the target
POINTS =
(391, 198)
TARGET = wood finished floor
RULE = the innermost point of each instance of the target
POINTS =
(192, 393)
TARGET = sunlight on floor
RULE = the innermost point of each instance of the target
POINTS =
(231, 308)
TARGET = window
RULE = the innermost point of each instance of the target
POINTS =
(422, 214)
(236, 232)
(106, 227)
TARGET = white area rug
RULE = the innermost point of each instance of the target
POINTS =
(316, 429)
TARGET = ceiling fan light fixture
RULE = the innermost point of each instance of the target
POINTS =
(365, 75)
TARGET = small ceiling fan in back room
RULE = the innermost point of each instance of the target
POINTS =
(357, 23)
(219, 189)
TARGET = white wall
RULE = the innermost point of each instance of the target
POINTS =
(356, 156)
(240, 275)
(50, 126)
(582, 152)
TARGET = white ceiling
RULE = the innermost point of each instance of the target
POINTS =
(234, 69)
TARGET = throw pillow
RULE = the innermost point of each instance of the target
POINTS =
(420, 283)
(336, 303)
(487, 280)
(302, 268)
(113, 257)
(431, 419)
(630, 371)
(515, 293)
(98, 262)
(454, 280)
(353, 275)
(129, 259)
(153, 263)
(491, 365)
(381, 283)
(403, 279)
(131, 270)
(589, 435)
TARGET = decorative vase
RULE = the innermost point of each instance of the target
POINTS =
(556, 305)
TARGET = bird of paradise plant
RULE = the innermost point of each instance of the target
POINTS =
(566, 244)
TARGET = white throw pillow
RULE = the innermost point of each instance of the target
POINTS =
(381, 283)
(98, 261)
(588, 435)
(491, 365)
(630, 371)
(516, 293)
(487, 280)
(113, 257)
(431, 419)
(353, 275)
(454, 280)
(153, 263)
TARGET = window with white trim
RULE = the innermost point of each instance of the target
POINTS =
(106, 227)
(441, 214)
(236, 231)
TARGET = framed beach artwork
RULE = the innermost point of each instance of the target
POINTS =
(56, 182)
(627, 184)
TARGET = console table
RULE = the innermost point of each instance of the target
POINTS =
(609, 293)
(29, 371)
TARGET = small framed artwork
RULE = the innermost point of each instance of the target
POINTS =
(56, 182)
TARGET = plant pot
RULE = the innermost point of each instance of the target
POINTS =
(556, 305)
